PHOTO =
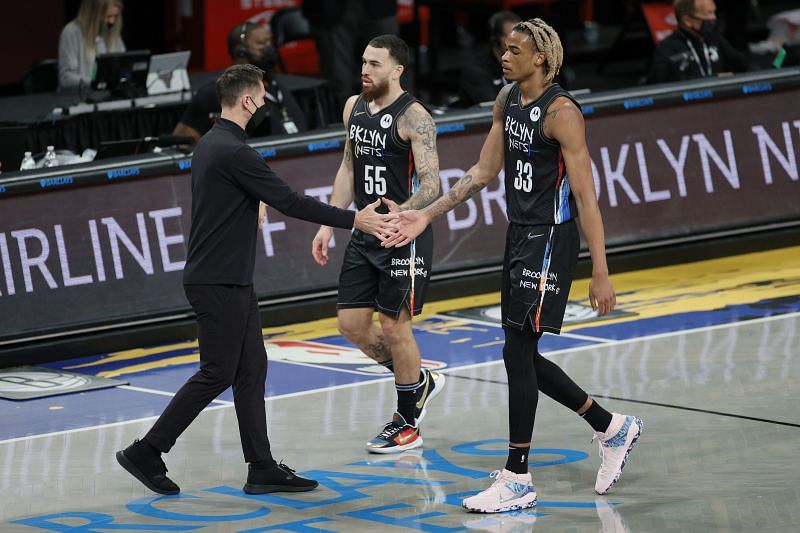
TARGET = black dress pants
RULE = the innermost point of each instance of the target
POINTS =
(232, 354)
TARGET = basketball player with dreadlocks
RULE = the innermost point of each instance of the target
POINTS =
(390, 153)
(537, 136)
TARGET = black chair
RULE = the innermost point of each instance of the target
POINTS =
(288, 26)
(41, 78)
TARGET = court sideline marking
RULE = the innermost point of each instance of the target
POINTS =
(645, 402)
(448, 371)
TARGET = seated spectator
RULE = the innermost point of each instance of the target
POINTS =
(96, 30)
(247, 43)
(482, 79)
(696, 49)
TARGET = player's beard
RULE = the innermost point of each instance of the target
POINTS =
(378, 90)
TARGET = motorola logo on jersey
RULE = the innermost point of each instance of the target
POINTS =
(366, 141)
(386, 121)
(535, 113)
(520, 136)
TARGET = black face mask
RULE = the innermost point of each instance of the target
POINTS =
(269, 57)
(258, 117)
(707, 27)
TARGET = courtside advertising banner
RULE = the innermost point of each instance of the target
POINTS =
(79, 256)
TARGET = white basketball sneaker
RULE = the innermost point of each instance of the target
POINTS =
(509, 492)
(615, 445)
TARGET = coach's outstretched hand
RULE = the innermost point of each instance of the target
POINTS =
(374, 223)
(408, 225)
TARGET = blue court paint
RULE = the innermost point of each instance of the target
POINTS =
(299, 526)
(146, 507)
(94, 522)
(106, 406)
(353, 488)
(347, 491)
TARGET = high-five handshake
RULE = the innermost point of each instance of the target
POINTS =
(394, 229)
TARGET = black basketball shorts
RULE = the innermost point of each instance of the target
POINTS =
(377, 277)
(537, 274)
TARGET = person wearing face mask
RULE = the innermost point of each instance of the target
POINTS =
(96, 30)
(229, 178)
(696, 49)
(247, 43)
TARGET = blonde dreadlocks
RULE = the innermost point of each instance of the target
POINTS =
(546, 40)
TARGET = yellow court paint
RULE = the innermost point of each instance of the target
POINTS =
(160, 363)
(697, 286)
(136, 353)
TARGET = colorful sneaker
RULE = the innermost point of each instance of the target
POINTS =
(509, 492)
(396, 436)
(434, 382)
(615, 446)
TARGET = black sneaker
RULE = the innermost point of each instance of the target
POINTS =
(434, 383)
(279, 478)
(147, 467)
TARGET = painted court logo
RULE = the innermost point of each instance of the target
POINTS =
(331, 357)
(40, 380)
(28, 382)
(31, 382)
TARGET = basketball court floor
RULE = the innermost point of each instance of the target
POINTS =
(706, 353)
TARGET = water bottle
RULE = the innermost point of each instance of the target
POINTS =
(50, 157)
(28, 162)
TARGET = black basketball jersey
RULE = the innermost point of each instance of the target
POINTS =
(537, 186)
(382, 162)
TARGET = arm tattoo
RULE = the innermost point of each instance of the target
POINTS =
(419, 125)
(466, 187)
(463, 190)
(347, 151)
(549, 117)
